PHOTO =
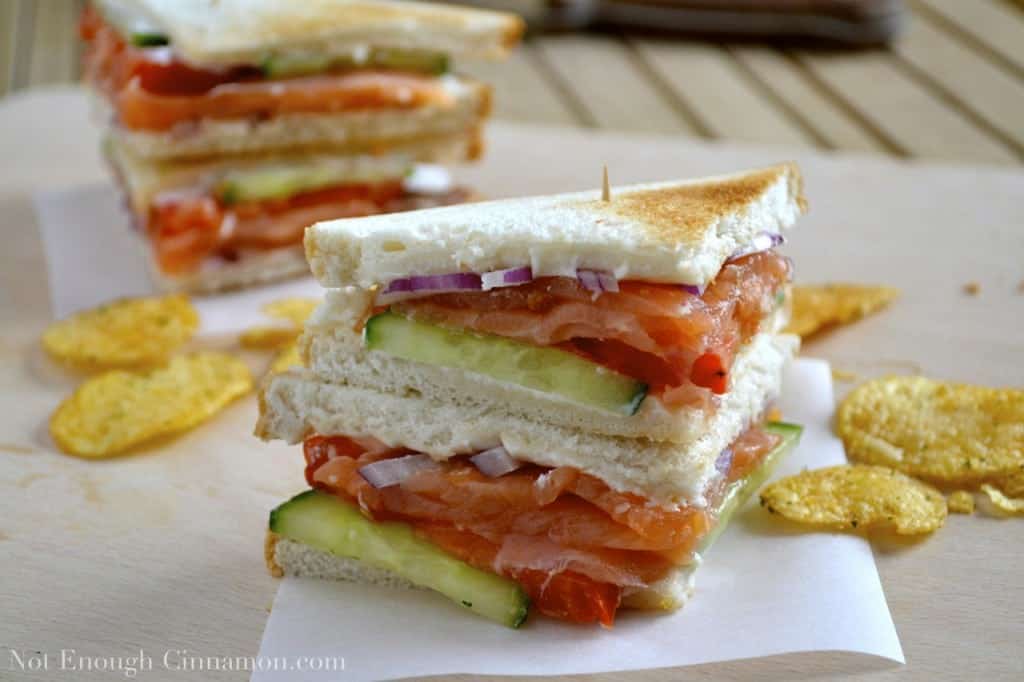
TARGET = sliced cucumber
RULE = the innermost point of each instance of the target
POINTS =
(291, 65)
(420, 61)
(417, 61)
(550, 370)
(271, 183)
(740, 491)
(281, 182)
(149, 39)
(330, 524)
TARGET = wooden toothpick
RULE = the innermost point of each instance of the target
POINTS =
(606, 191)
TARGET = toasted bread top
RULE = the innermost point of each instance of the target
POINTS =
(675, 232)
(213, 32)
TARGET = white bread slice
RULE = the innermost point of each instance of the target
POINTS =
(289, 557)
(143, 178)
(363, 131)
(334, 351)
(679, 231)
(298, 404)
(212, 32)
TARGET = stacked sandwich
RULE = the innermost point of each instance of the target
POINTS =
(234, 125)
(554, 401)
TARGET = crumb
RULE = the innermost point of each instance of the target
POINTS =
(843, 375)
(972, 288)
(1020, 287)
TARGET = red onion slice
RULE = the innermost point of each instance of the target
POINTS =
(597, 281)
(456, 281)
(388, 472)
(418, 286)
(692, 289)
(506, 278)
(608, 281)
(495, 462)
(724, 461)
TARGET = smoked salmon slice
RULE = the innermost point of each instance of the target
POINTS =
(573, 543)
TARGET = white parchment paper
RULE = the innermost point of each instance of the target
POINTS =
(92, 256)
(761, 591)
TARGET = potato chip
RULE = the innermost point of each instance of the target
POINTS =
(960, 502)
(1005, 504)
(130, 332)
(857, 497)
(268, 337)
(950, 433)
(1012, 485)
(116, 411)
(295, 310)
(823, 305)
(287, 358)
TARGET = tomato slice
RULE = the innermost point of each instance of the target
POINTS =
(709, 371)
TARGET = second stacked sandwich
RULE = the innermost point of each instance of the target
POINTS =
(234, 125)
(557, 400)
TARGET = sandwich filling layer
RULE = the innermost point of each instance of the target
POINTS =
(194, 212)
(574, 544)
(152, 89)
(187, 228)
(677, 342)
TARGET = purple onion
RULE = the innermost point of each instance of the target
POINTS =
(608, 281)
(597, 281)
(506, 278)
(456, 281)
(426, 285)
(692, 289)
(724, 461)
(495, 462)
(388, 472)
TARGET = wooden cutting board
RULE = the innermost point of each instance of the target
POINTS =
(163, 550)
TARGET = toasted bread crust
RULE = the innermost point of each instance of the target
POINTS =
(683, 213)
(269, 547)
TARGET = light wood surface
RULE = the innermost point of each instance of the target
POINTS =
(951, 89)
(163, 550)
